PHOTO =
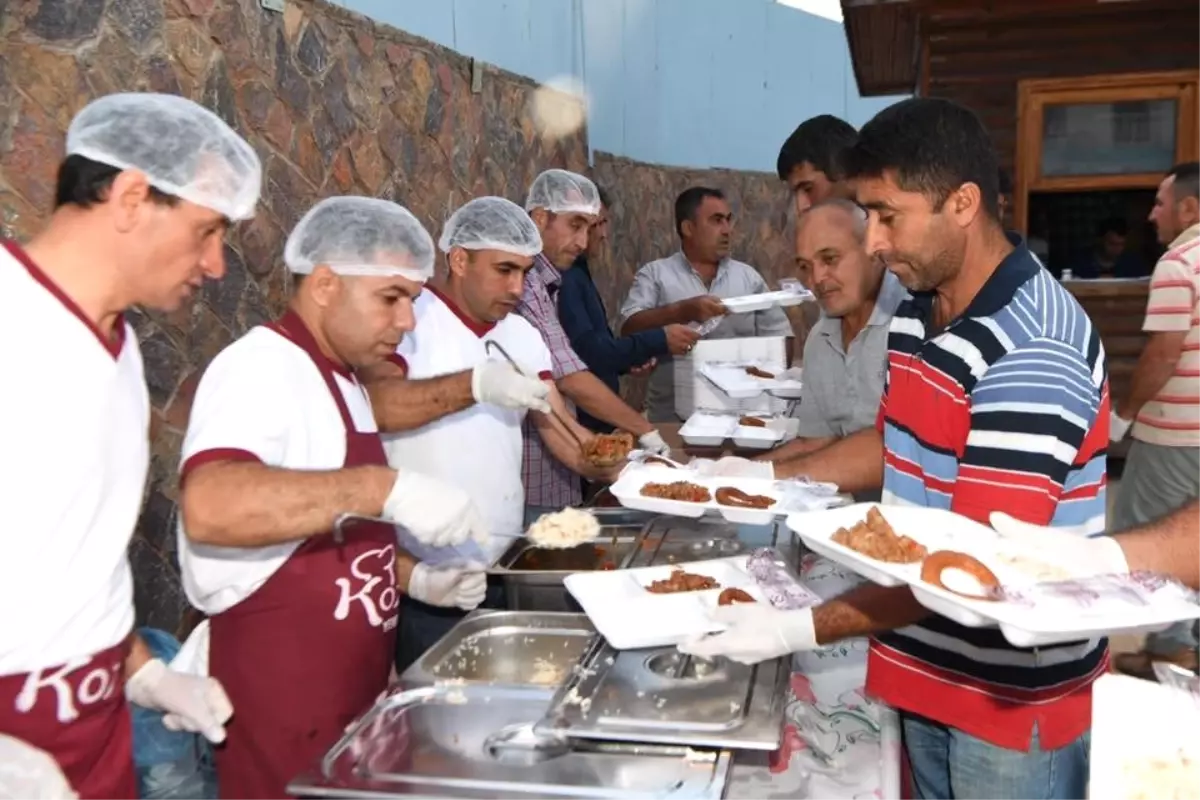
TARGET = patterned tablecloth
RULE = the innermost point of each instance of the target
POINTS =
(836, 743)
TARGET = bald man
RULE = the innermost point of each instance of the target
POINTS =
(845, 355)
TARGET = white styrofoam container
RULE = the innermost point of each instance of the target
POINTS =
(693, 391)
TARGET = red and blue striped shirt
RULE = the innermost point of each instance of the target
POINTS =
(1005, 409)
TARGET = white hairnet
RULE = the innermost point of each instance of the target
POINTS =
(182, 148)
(562, 192)
(360, 236)
(27, 771)
(491, 223)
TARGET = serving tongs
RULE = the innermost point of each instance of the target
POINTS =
(490, 346)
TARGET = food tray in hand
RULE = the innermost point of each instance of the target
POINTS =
(703, 429)
(630, 617)
(1024, 574)
(735, 381)
(628, 491)
(761, 302)
(706, 429)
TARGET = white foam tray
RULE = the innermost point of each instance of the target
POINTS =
(761, 302)
(631, 618)
(937, 529)
(628, 490)
(733, 380)
(705, 429)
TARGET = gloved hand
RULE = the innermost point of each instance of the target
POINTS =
(653, 443)
(757, 632)
(735, 467)
(436, 513)
(28, 771)
(461, 587)
(1118, 427)
(193, 703)
(498, 383)
(1095, 555)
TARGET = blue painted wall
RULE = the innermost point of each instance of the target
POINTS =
(695, 83)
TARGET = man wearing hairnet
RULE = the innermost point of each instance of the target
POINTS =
(563, 205)
(465, 325)
(149, 185)
(281, 441)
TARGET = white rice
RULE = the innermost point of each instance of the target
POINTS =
(563, 529)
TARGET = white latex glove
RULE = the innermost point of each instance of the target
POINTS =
(1117, 427)
(461, 587)
(436, 513)
(735, 467)
(1096, 555)
(191, 703)
(28, 771)
(653, 444)
(757, 632)
(496, 382)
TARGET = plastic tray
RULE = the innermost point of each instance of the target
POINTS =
(733, 380)
(630, 617)
(708, 430)
(760, 302)
(1022, 625)
(628, 488)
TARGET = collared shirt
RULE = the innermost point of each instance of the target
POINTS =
(842, 386)
(671, 279)
(1172, 418)
(584, 318)
(1004, 409)
(547, 481)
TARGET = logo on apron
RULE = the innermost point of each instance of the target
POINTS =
(96, 686)
(370, 569)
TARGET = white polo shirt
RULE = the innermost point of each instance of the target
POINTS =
(479, 448)
(74, 451)
(261, 399)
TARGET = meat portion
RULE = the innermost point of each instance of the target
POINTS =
(752, 422)
(759, 373)
(732, 595)
(874, 538)
(680, 581)
(678, 490)
(729, 496)
(608, 449)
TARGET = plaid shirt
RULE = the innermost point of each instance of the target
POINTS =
(547, 481)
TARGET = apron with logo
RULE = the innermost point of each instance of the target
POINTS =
(311, 648)
(77, 713)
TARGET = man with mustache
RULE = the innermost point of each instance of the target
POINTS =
(564, 205)
(282, 440)
(996, 400)
(845, 355)
(687, 287)
(490, 244)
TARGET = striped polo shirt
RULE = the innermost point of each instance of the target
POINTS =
(1172, 418)
(1005, 409)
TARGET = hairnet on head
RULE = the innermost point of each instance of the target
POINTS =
(360, 236)
(562, 192)
(182, 148)
(491, 223)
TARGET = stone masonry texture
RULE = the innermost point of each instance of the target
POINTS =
(335, 104)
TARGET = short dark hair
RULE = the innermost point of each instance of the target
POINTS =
(84, 183)
(934, 146)
(1187, 180)
(819, 141)
(1004, 181)
(689, 202)
(605, 197)
(1116, 225)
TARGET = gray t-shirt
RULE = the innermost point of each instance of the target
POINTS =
(671, 279)
(842, 387)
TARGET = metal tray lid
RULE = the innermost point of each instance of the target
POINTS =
(452, 741)
(659, 696)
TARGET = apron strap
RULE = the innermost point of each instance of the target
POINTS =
(292, 328)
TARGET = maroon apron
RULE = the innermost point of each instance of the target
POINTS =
(77, 713)
(311, 648)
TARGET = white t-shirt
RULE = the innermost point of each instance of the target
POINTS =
(261, 399)
(74, 451)
(479, 448)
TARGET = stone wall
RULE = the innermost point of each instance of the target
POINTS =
(335, 105)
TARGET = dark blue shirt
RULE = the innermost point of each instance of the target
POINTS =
(582, 314)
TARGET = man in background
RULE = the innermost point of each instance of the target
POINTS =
(585, 319)
(1109, 258)
(687, 287)
(845, 355)
(809, 160)
(1162, 469)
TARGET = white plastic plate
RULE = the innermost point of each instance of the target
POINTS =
(628, 490)
(733, 380)
(708, 430)
(630, 617)
(937, 529)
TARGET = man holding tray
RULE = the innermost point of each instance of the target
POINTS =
(996, 400)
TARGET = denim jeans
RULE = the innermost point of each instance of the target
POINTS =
(949, 764)
(170, 764)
